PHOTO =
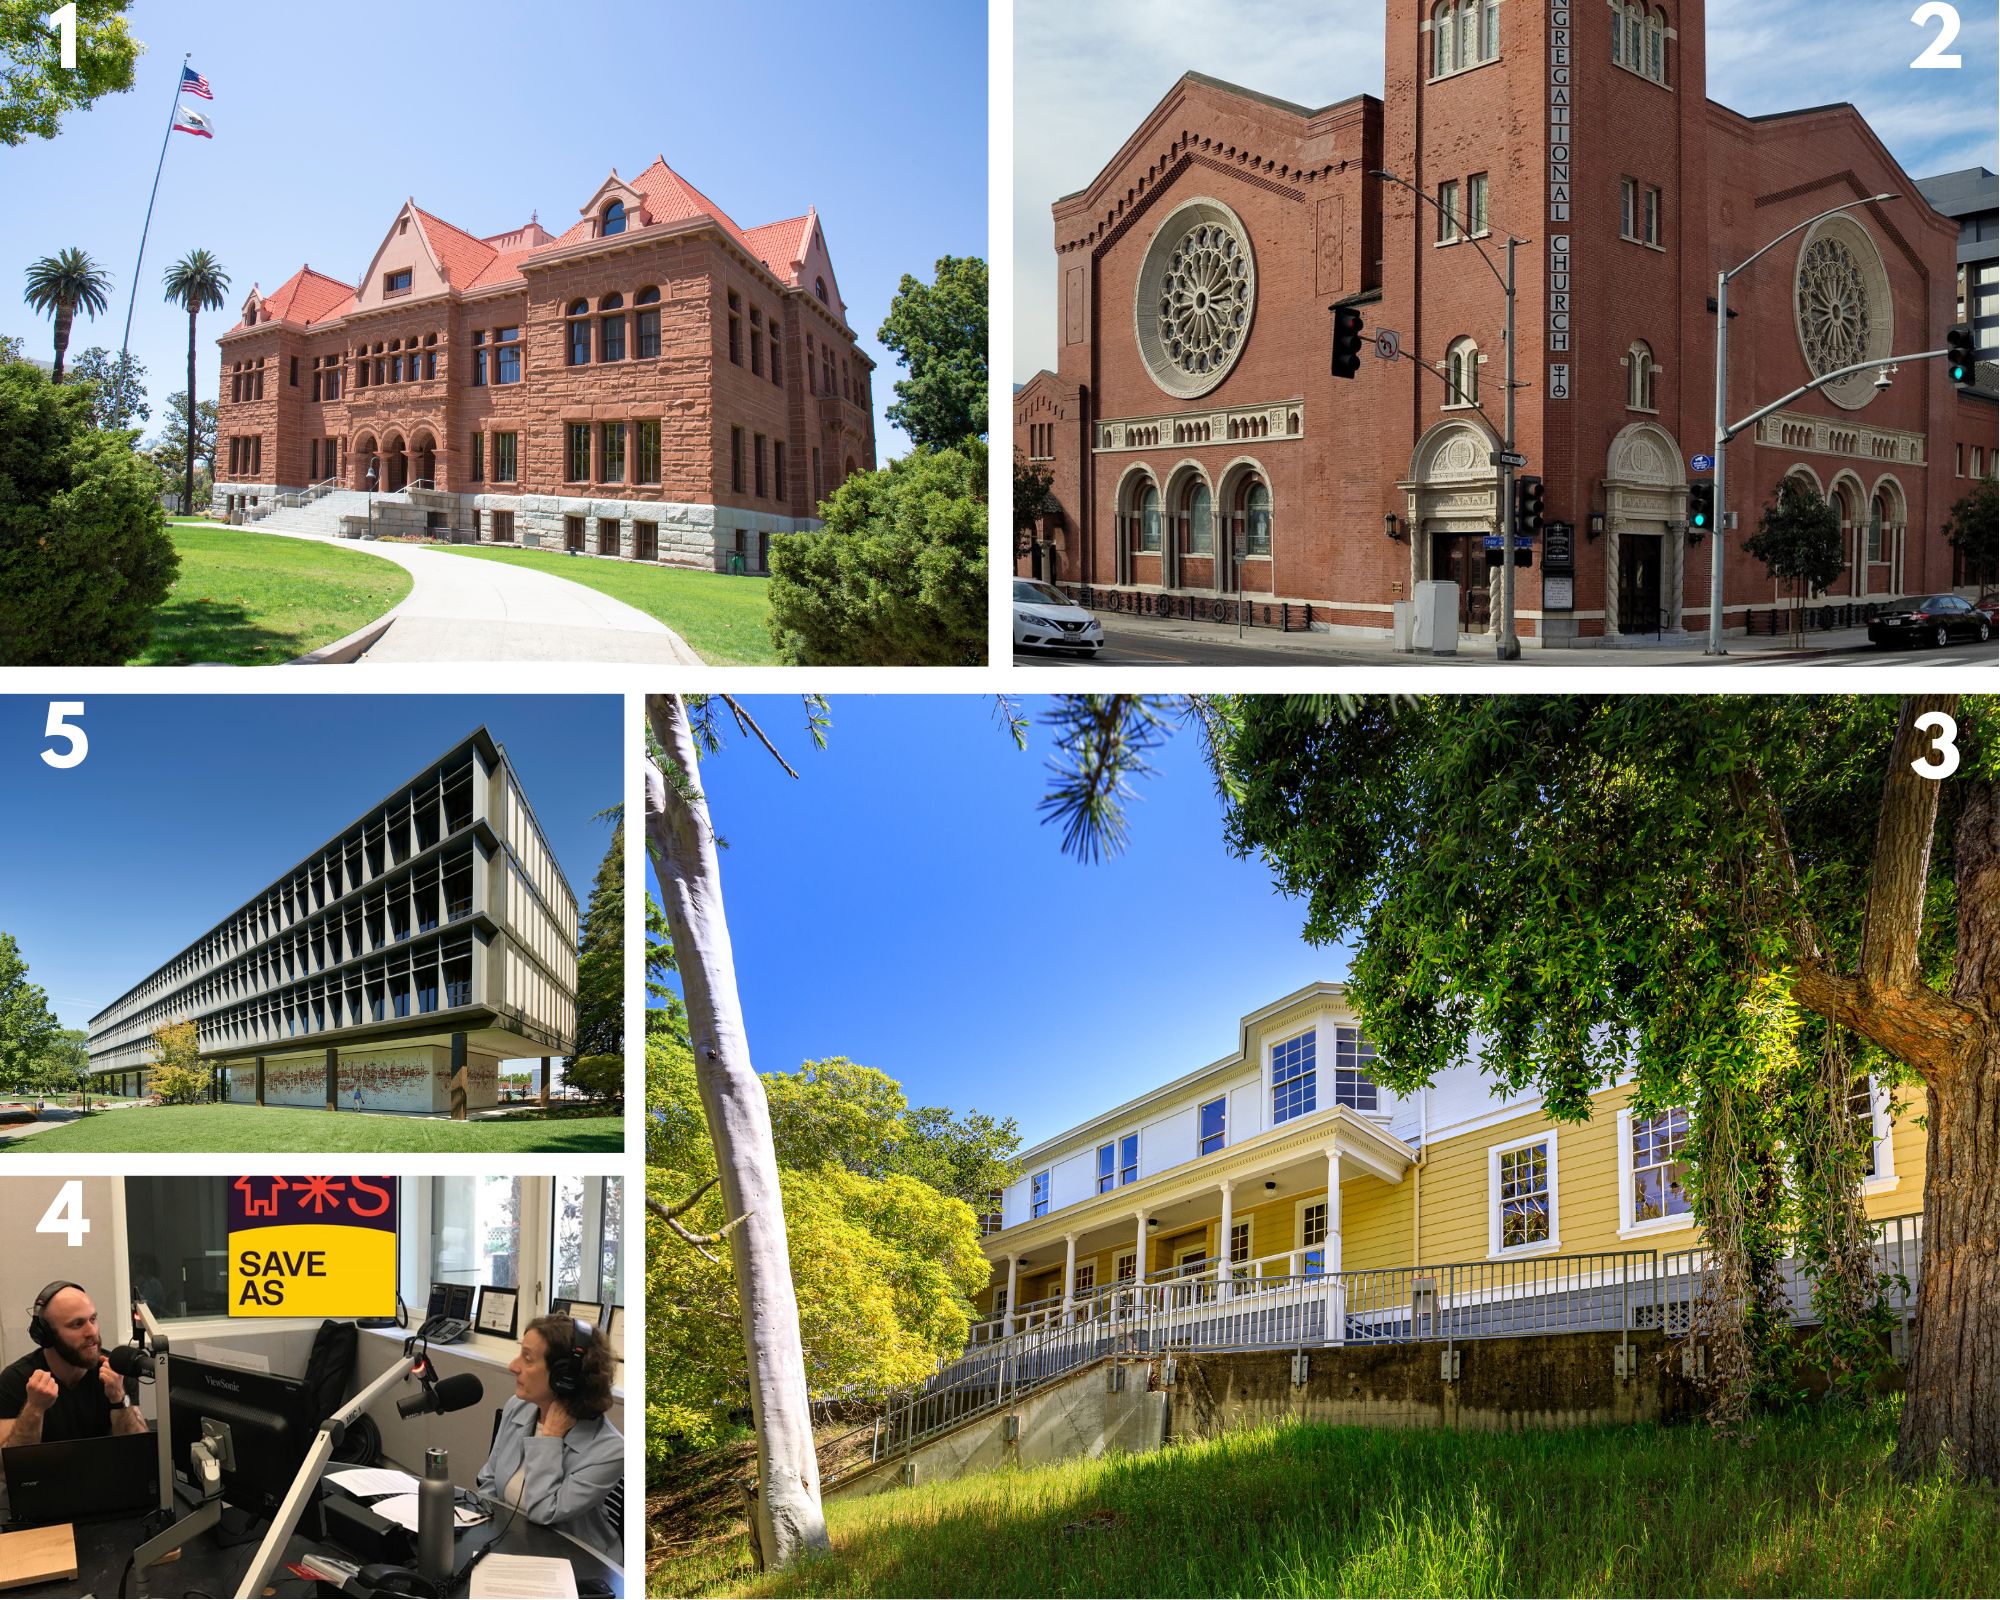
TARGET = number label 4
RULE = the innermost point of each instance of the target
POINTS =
(65, 1214)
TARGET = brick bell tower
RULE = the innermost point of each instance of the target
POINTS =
(1570, 120)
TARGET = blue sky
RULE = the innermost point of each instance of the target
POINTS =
(1085, 75)
(327, 119)
(903, 904)
(186, 805)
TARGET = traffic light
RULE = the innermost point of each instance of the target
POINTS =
(1701, 505)
(1959, 353)
(1346, 341)
(1528, 497)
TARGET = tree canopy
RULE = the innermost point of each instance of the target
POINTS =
(938, 331)
(178, 1074)
(28, 1029)
(120, 385)
(36, 88)
(1798, 539)
(1970, 529)
(897, 576)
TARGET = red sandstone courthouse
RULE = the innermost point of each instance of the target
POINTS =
(1191, 405)
(655, 382)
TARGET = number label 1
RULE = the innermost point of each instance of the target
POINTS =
(1941, 760)
(64, 22)
(58, 728)
(65, 1214)
(1937, 11)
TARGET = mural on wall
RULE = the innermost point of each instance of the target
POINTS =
(416, 1080)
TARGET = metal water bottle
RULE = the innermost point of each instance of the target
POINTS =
(434, 1518)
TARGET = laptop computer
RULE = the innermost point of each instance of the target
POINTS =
(80, 1480)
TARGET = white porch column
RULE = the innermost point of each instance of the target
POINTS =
(1336, 1292)
(1139, 1263)
(1069, 1276)
(1222, 1242)
(1007, 1322)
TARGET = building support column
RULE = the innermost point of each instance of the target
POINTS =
(1336, 1290)
(1069, 1277)
(1139, 1258)
(1007, 1317)
(332, 1079)
(459, 1095)
(260, 1080)
(545, 1083)
(1222, 1241)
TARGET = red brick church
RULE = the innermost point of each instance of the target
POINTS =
(1191, 412)
(654, 382)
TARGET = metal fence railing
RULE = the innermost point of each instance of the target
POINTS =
(1897, 1249)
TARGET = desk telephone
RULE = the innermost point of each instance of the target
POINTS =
(448, 1315)
(444, 1330)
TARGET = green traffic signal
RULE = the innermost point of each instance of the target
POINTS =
(1959, 352)
(1701, 505)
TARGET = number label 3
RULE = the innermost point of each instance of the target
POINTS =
(1937, 11)
(1941, 760)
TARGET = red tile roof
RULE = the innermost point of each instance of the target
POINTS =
(462, 256)
(307, 297)
(781, 246)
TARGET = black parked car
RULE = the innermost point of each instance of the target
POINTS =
(1935, 619)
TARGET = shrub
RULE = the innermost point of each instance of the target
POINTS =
(84, 554)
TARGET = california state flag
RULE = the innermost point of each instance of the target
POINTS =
(192, 121)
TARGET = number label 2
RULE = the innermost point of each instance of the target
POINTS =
(1937, 11)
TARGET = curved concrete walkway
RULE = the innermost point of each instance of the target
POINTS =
(462, 608)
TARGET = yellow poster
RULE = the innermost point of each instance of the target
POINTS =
(312, 1247)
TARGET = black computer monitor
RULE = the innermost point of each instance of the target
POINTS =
(269, 1429)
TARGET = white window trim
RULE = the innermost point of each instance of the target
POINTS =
(1047, 1173)
(1118, 1265)
(1885, 1180)
(1270, 1076)
(1299, 1245)
(1627, 1228)
(1138, 1158)
(1248, 1223)
(1201, 1106)
(1553, 1243)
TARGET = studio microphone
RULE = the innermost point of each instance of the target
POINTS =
(129, 1361)
(448, 1394)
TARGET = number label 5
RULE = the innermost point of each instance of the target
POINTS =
(72, 733)
(1941, 760)
(1937, 11)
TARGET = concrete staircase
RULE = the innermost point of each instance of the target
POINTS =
(324, 514)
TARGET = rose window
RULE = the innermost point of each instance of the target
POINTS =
(1196, 295)
(1833, 306)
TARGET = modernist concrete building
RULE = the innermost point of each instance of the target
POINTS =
(653, 382)
(406, 957)
(1201, 451)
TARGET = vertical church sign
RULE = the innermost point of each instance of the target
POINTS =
(1559, 193)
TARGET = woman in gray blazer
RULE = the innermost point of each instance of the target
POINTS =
(556, 1455)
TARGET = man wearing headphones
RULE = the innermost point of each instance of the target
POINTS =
(65, 1388)
(556, 1455)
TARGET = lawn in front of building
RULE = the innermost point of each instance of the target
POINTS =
(247, 599)
(722, 618)
(244, 1129)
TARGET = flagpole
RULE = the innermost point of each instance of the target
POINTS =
(132, 299)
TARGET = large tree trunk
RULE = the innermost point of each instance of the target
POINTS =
(1954, 1395)
(193, 420)
(788, 1518)
(65, 316)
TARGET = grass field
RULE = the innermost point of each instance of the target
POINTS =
(250, 599)
(235, 1129)
(721, 617)
(1807, 1508)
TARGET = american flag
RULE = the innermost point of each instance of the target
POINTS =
(194, 83)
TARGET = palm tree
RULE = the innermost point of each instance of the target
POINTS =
(64, 284)
(197, 282)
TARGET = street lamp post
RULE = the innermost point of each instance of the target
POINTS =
(1723, 432)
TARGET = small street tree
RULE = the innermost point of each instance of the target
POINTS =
(196, 283)
(36, 88)
(60, 286)
(1798, 540)
(28, 1029)
(120, 385)
(1970, 528)
(938, 331)
(179, 1077)
(171, 451)
(1032, 483)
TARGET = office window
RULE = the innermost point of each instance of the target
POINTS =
(579, 333)
(430, 355)
(611, 330)
(507, 355)
(579, 452)
(1628, 208)
(1448, 211)
(476, 1231)
(1659, 1175)
(479, 360)
(778, 468)
(504, 455)
(1651, 215)
(1475, 202)
(735, 329)
(1522, 1179)
(1294, 1077)
(1039, 1206)
(1107, 1168)
(611, 452)
(478, 468)
(736, 460)
(395, 369)
(1354, 1070)
(397, 282)
(756, 342)
(758, 457)
(646, 452)
(646, 324)
(1211, 1125)
(295, 372)
(1128, 1159)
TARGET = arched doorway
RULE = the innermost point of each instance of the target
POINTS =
(1245, 511)
(395, 464)
(1886, 537)
(1645, 504)
(365, 452)
(1454, 504)
(1139, 536)
(1188, 554)
(423, 458)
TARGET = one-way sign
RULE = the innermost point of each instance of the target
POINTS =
(1505, 458)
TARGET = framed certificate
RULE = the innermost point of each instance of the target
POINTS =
(590, 1311)
(498, 1310)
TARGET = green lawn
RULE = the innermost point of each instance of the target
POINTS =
(721, 617)
(253, 599)
(1808, 1507)
(236, 1129)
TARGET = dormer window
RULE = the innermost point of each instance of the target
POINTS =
(819, 288)
(614, 219)
(396, 282)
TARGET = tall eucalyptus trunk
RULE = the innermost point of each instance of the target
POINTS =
(786, 1515)
(193, 418)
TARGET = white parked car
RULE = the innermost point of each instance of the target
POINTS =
(1046, 618)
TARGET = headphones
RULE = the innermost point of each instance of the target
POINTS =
(38, 1324)
(566, 1365)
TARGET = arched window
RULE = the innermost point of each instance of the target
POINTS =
(1468, 33)
(579, 333)
(611, 330)
(819, 288)
(1489, 30)
(648, 323)
(1462, 369)
(1200, 520)
(1256, 517)
(614, 219)
(430, 355)
(1444, 38)
(1877, 515)
(1149, 519)
(1656, 46)
(1635, 38)
(1639, 376)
